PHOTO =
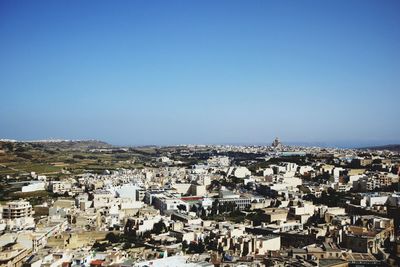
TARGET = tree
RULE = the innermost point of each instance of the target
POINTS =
(214, 207)
(146, 234)
(220, 249)
(112, 238)
(128, 226)
(181, 207)
(126, 246)
(245, 250)
(99, 246)
(185, 245)
(209, 242)
(278, 203)
(203, 213)
(159, 228)
(192, 247)
(200, 248)
(193, 208)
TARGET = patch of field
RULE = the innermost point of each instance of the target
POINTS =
(7, 171)
(31, 194)
(99, 167)
(356, 171)
(35, 198)
(34, 167)
(60, 164)
(25, 158)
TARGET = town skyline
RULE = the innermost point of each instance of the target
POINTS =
(338, 144)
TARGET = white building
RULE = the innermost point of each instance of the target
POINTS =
(219, 161)
(239, 172)
(36, 186)
(17, 209)
(18, 215)
(268, 172)
(60, 187)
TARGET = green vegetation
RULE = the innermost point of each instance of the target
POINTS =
(20, 158)
(34, 167)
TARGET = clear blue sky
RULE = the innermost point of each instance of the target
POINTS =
(171, 72)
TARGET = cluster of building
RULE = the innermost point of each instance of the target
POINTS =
(281, 206)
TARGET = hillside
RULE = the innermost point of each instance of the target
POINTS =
(72, 144)
(55, 145)
(55, 157)
(394, 147)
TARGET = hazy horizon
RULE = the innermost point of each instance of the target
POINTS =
(338, 144)
(201, 72)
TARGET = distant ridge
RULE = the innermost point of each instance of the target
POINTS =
(63, 144)
(393, 147)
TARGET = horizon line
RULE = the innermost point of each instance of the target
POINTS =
(322, 144)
